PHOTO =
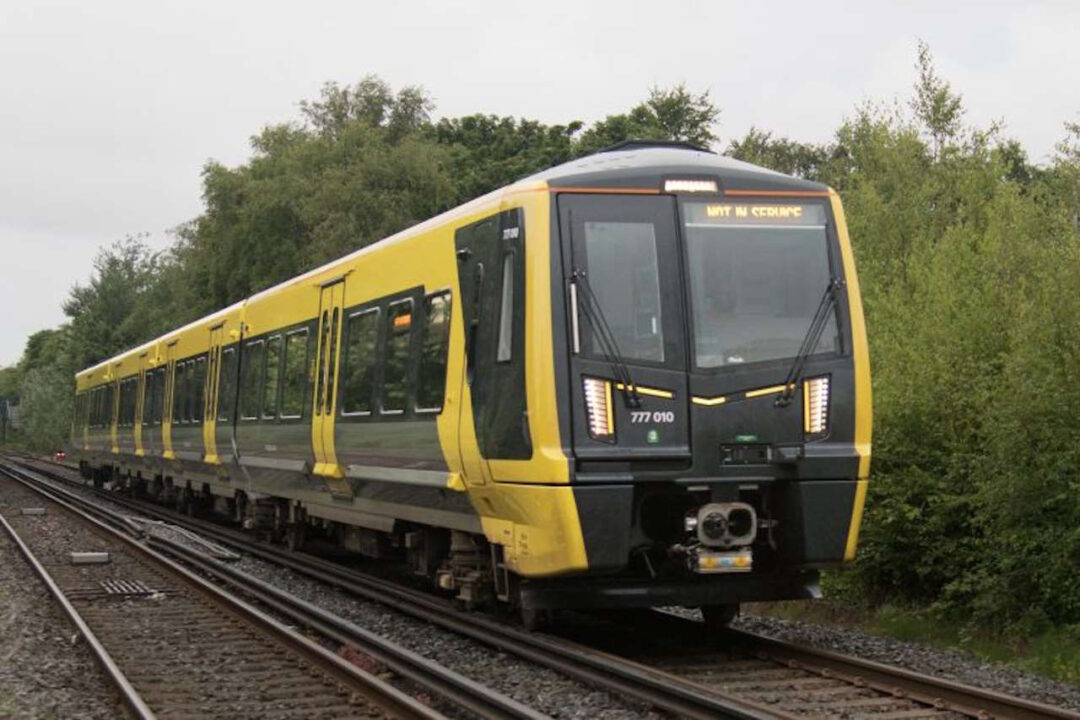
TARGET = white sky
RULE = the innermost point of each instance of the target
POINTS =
(108, 110)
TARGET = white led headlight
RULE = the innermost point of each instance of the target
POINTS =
(598, 407)
(816, 405)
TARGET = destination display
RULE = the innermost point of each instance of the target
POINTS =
(771, 214)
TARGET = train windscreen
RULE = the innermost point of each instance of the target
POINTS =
(757, 275)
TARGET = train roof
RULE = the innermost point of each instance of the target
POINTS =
(646, 165)
(631, 165)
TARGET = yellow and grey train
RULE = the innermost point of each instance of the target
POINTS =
(640, 378)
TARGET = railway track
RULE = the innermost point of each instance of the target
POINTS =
(177, 646)
(757, 677)
(809, 682)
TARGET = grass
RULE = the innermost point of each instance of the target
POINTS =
(1054, 653)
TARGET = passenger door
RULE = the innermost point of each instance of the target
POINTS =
(623, 281)
(167, 402)
(331, 305)
(210, 395)
(491, 273)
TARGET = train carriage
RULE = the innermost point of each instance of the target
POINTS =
(639, 378)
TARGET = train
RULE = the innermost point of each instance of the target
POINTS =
(637, 379)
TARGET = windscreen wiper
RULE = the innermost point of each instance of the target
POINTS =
(810, 341)
(609, 347)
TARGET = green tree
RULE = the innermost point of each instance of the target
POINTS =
(939, 110)
(671, 114)
(805, 160)
(371, 102)
(45, 407)
(9, 382)
(488, 152)
(108, 313)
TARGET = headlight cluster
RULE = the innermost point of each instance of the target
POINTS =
(816, 405)
(599, 408)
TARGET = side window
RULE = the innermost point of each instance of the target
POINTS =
(358, 368)
(270, 383)
(432, 383)
(504, 348)
(395, 372)
(295, 376)
(197, 389)
(226, 389)
(250, 366)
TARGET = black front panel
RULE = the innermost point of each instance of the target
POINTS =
(738, 286)
(491, 271)
(626, 321)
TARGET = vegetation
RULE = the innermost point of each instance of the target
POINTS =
(969, 257)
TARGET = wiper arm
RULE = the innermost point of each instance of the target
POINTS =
(810, 341)
(609, 347)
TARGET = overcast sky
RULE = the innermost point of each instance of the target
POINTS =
(108, 110)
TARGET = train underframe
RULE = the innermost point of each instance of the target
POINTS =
(656, 570)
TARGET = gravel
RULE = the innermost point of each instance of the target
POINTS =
(560, 697)
(43, 674)
(181, 651)
(946, 664)
(536, 686)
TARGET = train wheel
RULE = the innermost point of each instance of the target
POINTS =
(183, 501)
(533, 619)
(295, 536)
(717, 618)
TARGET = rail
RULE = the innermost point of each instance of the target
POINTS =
(660, 688)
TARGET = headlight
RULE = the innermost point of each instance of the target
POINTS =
(816, 405)
(598, 407)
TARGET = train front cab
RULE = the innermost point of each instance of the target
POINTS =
(700, 477)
